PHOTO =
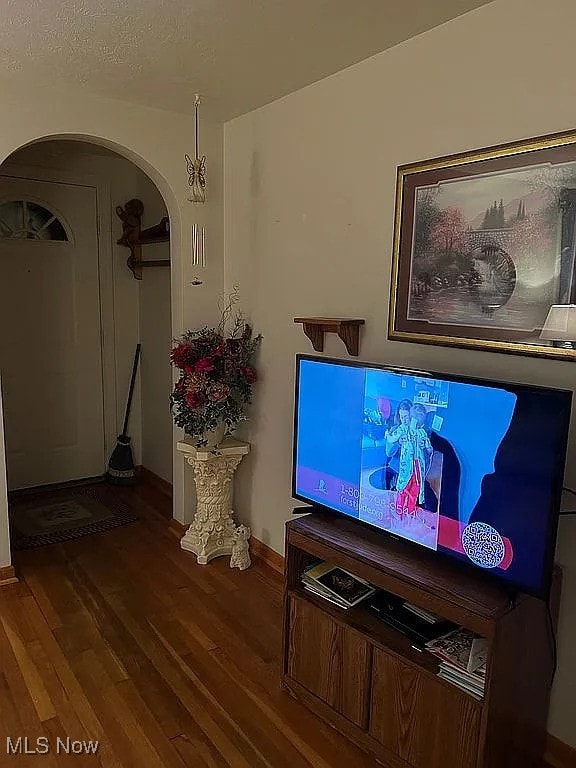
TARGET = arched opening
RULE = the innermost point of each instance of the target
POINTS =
(72, 314)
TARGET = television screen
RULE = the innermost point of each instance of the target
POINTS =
(468, 468)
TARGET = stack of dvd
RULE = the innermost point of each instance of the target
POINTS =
(336, 585)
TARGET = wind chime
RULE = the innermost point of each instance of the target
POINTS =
(197, 182)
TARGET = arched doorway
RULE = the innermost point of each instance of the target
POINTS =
(77, 309)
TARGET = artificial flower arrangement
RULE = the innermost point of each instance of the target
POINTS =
(216, 377)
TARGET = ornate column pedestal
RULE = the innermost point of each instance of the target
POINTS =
(213, 531)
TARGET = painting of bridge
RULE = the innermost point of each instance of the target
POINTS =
(487, 250)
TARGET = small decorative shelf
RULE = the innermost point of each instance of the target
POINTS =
(347, 329)
(134, 237)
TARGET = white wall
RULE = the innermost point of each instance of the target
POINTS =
(309, 210)
(156, 377)
(156, 339)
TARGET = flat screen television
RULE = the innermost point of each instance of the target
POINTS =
(468, 468)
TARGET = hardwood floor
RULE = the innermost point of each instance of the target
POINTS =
(121, 638)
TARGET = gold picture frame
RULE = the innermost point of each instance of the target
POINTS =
(484, 245)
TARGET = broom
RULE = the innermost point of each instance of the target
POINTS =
(121, 464)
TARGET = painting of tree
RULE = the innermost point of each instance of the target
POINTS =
(427, 215)
(449, 232)
(495, 217)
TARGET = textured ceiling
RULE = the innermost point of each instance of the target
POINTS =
(239, 54)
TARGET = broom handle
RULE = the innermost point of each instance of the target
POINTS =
(131, 393)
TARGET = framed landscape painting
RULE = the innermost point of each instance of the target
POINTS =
(485, 245)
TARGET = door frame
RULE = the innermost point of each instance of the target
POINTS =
(105, 277)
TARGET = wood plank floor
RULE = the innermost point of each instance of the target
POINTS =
(121, 638)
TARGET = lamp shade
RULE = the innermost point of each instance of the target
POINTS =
(560, 324)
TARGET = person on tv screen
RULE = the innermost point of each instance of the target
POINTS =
(396, 436)
(409, 444)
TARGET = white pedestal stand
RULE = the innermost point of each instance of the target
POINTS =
(213, 532)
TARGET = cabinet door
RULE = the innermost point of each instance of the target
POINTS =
(329, 660)
(423, 721)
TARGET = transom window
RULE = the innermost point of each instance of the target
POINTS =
(25, 220)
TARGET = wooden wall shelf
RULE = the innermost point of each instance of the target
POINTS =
(347, 329)
(134, 237)
(367, 680)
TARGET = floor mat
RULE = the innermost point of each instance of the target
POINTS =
(50, 517)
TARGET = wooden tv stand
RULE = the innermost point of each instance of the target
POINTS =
(367, 680)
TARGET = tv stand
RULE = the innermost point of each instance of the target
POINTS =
(367, 680)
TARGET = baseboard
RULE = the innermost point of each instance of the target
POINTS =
(258, 549)
(154, 481)
(8, 576)
(268, 555)
(558, 754)
(177, 528)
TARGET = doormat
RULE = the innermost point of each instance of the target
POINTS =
(52, 517)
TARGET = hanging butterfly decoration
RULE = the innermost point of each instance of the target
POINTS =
(197, 167)
(197, 178)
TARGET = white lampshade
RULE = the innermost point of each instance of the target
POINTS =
(560, 324)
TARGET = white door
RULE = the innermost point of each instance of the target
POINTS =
(50, 339)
